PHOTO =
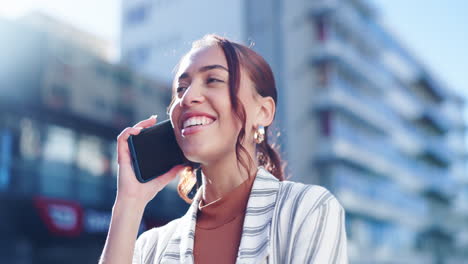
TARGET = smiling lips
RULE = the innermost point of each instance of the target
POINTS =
(197, 120)
(193, 122)
(194, 129)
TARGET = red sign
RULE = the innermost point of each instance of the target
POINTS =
(63, 218)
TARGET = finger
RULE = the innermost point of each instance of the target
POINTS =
(122, 144)
(147, 122)
(163, 180)
(125, 134)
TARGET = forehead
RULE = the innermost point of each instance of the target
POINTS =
(200, 57)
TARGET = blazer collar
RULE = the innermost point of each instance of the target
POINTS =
(187, 229)
(256, 229)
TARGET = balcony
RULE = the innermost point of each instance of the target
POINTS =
(421, 144)
(375, 155)
(435, 118)
(342, 95)
(385, 255)
(433, 114)
(343, 149)
(409, 138)
(403, 101)
(380, 156)
(437, 181)
(342, 52)
(427, 143)
(442, 219)
(453, 111)
(321, 6)
(378, 198)
(439, 150)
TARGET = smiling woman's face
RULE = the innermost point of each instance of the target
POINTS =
(201, 94)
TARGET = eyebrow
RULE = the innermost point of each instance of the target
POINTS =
(204, 69)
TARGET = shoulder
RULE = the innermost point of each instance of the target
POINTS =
(301, 200)
(295, 198)
(153, 234)
(309, 225)
(151, 240)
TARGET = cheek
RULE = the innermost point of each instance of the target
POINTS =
(234, 124)
(174, 113)
(229, 114)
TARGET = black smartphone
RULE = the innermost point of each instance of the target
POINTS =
(155, 151)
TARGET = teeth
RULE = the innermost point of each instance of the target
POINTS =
(197, 120)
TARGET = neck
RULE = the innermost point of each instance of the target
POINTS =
(224, 175)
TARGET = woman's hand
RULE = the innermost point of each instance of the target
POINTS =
(128, 187)
(131, 200)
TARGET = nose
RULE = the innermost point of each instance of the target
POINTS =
(193, 94)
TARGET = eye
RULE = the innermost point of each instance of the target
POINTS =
(180, 89)
(210, 80)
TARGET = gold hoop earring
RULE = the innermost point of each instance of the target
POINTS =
(259, 134)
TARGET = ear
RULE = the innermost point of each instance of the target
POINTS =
(266, 111)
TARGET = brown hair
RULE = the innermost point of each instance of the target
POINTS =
(262, 76)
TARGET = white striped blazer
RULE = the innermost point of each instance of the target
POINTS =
(285, 222)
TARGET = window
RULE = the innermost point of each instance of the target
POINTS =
(29, 142)
(6, 142)
(100, 104)
(123, 78)
(93, 163)
(325, 122)
(59, 144)
(90, 156)
(147, 89)
(377, 231)
(323, 69)
(58, 96)
(124, 111)
(138, 56)
(113, 162)
(137, 14)
(56, 169)
(321, 28)
(349, 219)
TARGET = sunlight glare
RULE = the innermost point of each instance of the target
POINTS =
(17, 8)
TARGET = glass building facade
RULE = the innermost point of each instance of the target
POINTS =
(385, 123)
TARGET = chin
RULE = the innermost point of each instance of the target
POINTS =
(196, 154)
(204, 154)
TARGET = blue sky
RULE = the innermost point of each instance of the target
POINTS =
(435, 31)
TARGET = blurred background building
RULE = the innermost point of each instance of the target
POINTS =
(61, 108)
(357, 112)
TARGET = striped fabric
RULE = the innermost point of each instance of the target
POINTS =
(285, 222)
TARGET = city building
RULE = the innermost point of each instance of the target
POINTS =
(458, 142)
(94, 44)
(357, 113)
(62, 107)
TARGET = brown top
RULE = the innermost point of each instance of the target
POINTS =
(219, 226)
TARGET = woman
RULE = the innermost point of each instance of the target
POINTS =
(224, 99)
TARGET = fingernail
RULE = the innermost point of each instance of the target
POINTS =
(154, 116)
